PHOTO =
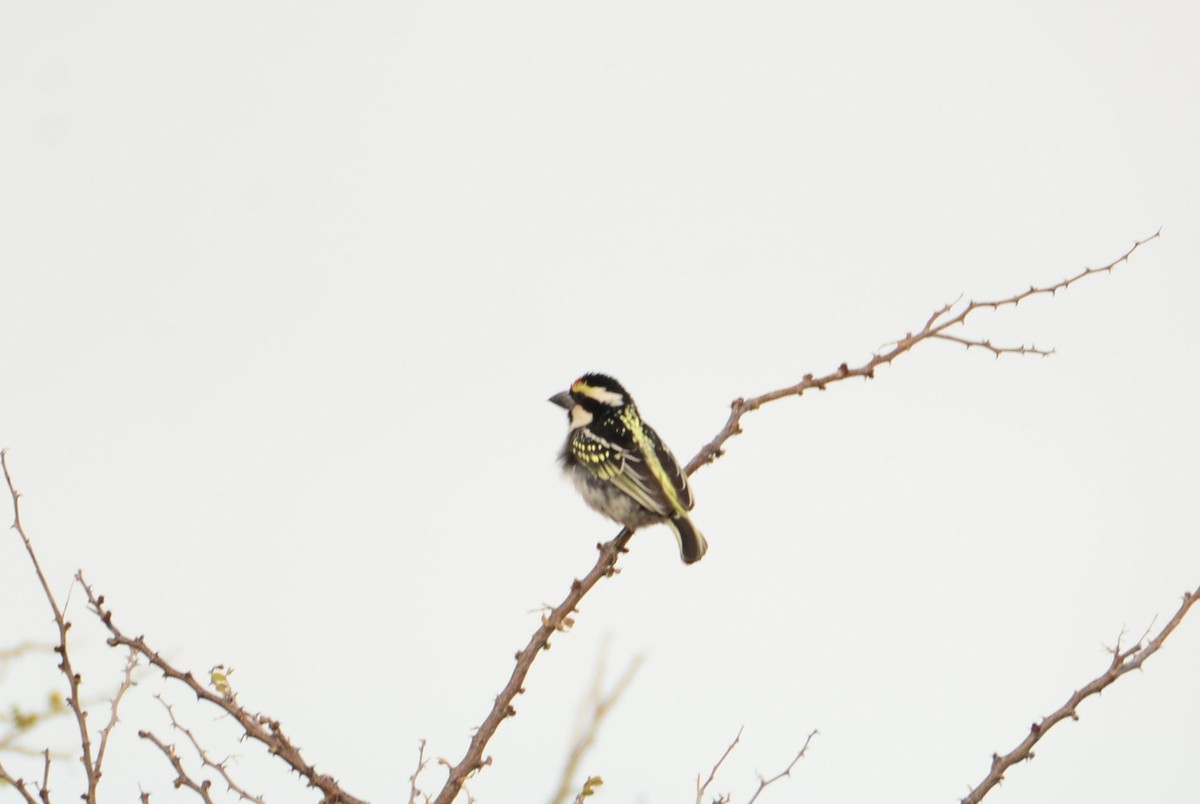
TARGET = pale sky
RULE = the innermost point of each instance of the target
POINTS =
(285, 288)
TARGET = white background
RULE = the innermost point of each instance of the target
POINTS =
(284, 288)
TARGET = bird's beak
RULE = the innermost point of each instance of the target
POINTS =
(563, 400)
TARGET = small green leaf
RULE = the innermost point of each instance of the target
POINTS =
(589, 787)
(219, 678)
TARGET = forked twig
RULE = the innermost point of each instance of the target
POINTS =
(126, 682)
(712, 774)
(182, 779)
(261, 728)
(551, 622)
(1122, 662)
(270, 733)
(413, 790)
(17, 784)
(934, 328)
(73, 678)
(764, 783)
(206, 760)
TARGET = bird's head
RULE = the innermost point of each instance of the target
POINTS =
(590, 396)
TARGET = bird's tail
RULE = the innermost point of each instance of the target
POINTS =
(692, 546)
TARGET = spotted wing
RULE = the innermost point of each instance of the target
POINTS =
(622, 466)
(602, 458)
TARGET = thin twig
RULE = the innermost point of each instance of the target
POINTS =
(551, 622)
(17, 784)
(935, 327)
(1122, 662)
(207, 761)
(44, 792)
(413, 790)
(262, 728)
(605, 565)
(763, 784)
(181, 777)
(996, 350)
(126, 682)
(712, 774)
(73, 678)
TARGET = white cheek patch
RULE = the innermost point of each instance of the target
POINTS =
(580, 417)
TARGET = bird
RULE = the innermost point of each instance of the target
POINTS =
(619, 464)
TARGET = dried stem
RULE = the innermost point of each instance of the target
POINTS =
(44, 793)
(551, 622)
(996, 350)
(763, 784)
(935, 328)
(712, 774)
(91, 772)
(207, 761)
(181, 777)
(126, 682)
(262, 728)
(605, 566)
(413, 791)
(270, 733)
(18, 785)
(1122, 662)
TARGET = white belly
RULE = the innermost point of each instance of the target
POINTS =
(609, 500)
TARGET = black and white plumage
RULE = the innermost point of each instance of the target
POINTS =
(619, 464)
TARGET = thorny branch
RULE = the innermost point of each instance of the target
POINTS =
(181, 777)
(935, 328)
(91, 770)
(712, 774)
(256, 726)
(559, 618)
(764, 783)
(1122, 662)
(259, 727)
(126, 682)
(45, 791)
(17, 784)
(205, 759)
(502, 707)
